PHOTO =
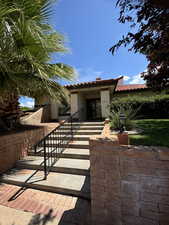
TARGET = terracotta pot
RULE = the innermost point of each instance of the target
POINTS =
(123, 138)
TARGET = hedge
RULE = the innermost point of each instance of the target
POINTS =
(155, 106)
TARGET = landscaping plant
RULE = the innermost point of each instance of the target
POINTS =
(26, 48)
(129, 113)
(148, 34)
(150, 106)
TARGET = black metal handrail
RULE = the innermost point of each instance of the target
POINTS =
(64, 111)
(55, 142)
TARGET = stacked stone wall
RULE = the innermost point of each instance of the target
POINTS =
(14, 146)
(129, 185)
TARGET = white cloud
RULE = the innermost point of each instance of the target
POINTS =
(76, 71)
(126, 78)
(89, 74)
(136, 79)
(29, 104)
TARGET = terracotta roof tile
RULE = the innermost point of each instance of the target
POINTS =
(130, 87)
(93, 83)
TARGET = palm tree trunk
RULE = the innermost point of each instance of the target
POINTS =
(9, 111)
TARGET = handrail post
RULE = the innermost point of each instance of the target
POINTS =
(35, 149)
(48, 145)
(45, 160)
(71, 125)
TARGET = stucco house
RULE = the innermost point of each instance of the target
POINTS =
(91, 99)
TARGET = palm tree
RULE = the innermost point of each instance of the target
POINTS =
(27, 43)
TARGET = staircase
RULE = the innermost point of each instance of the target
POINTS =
(70, 173)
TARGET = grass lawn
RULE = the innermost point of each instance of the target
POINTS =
(155, 132)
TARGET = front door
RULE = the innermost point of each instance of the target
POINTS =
(93, 109)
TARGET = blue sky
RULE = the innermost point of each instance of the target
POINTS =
(90, 28)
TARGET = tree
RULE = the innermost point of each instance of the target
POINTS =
(26, 48)
(151, 38)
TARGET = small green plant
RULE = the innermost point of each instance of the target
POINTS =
(25, 108)
(129, 113)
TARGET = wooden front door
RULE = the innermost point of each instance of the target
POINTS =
(93, 109)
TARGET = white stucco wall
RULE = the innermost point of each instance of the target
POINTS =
(54, 110)
(92, 95)
(78, 101)
(74, 103)
(82, 106)
(105, 101)
(42, 101)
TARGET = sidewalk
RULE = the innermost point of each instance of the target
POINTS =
(33, 207)
(10, 216)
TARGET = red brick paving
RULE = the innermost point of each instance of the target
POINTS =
(39, 202)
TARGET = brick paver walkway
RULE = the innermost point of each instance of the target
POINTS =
(65, 209)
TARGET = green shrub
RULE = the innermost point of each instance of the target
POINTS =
(153, 107)
(25, 108)
(129, 113)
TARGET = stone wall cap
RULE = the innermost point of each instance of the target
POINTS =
(112, 138)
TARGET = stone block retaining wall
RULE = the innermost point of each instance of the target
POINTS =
(42, 115)
(14, 146)
(129, 185)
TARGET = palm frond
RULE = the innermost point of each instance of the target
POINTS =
(26, 48)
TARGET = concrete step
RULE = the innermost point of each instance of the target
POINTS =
(85, 124)
(67, 184)
(81, 128)
(79, 144)
(76, 137)
(67, 153)
(79, 132)
(72, 144)
(75, 153)
(62, 165)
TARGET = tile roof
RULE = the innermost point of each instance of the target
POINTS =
(131, 87)
(95, 83)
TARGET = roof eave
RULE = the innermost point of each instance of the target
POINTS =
(93, 84)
